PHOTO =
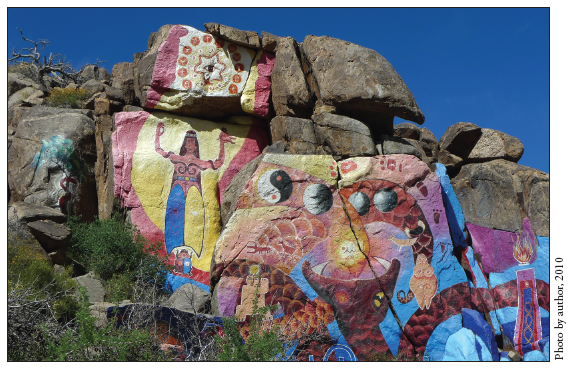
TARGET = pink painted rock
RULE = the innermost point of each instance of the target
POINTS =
(194, 73)
(171, 171)
(316, 251)
(256, 97)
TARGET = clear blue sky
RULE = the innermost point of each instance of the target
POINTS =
(489, 67)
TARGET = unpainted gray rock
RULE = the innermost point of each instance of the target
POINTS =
(342, 136)
(269, 42)
(355, 78)
(18, 97)
(494, 144)
(297, 134)
(407, 130)
(51, 235)
(50, 160)
(449, 160)
(123, 81)
(95, 72)
(94, 86)
(244, 38)
(290, 93)
(396, 145)
(93, 286)
(498, 194)
(36, 98)
(428, 137)
(16, 82)
(460, 139)
(190, 298)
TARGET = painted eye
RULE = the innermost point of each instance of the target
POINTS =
(317, 198)
(360, 201)
(385, 200)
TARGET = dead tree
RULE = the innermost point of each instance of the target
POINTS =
(54, 65)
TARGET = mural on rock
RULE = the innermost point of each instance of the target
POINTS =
(191, 63)
(59, 154)
(374, 252)
(172, 171)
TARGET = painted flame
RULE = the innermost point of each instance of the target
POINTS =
(523, 250)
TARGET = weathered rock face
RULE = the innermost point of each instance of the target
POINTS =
(291, 96)
(244, 38)
(171, 172)
(343, 137)
(493, 145)
(40, 228)
(499, 194)
(50, 161)
(352, 78)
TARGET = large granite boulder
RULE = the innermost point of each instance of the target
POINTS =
(171, 172)
(498, 194)
(343, 137)
(190, 298)
(290, 93)
(460, 138)
(493, 145)
(244, 38)
(189, 72)
(16, 82)
(297, 134)
(51, 159)
(122, 85)
(354, 78)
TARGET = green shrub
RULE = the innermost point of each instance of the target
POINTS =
(108, 343)
(67, 97)
(27, 266)
(262, 344)
(117, 253)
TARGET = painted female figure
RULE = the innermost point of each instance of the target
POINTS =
(185, 213)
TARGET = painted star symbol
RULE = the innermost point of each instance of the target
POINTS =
(210, 67)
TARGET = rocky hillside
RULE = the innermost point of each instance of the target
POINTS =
(271, 172)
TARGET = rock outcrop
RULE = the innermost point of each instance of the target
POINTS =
(271, 172)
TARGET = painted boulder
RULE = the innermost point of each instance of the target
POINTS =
(171, 171)
(195, 74)
(368, 265)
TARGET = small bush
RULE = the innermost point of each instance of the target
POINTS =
(67, 97)
(109, 343)
(117, 253)
(263, 341)
(27, 266)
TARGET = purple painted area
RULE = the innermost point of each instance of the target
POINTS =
(265, 66)
(227, 296)
(496, 248)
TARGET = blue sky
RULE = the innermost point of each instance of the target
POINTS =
(487, 66)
